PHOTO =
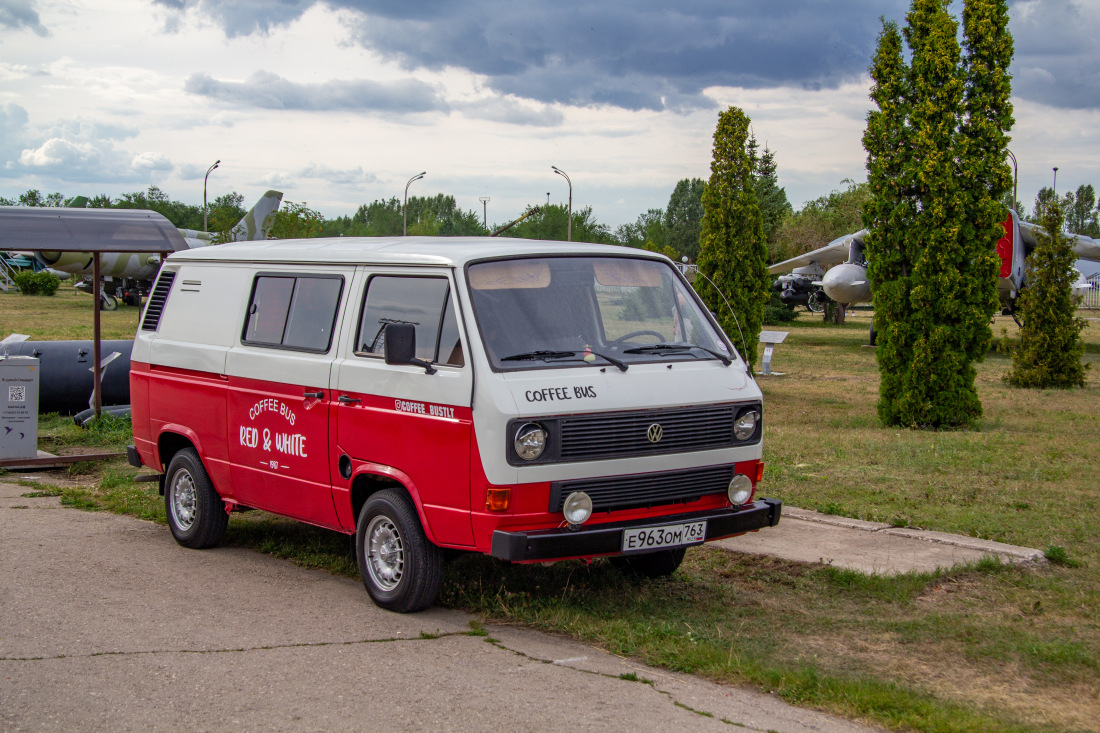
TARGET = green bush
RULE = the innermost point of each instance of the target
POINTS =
(37, 283)
(775, 312)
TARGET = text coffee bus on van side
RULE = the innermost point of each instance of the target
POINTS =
(530, 400)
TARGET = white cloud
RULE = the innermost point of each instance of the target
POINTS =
(57, 153)
(151, 162)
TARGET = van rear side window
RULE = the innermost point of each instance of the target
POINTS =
(424, 302)
(293, 312)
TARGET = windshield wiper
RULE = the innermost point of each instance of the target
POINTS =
(547, 355)
(674, 348)
(541, 354)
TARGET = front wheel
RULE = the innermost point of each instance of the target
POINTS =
(196, 514)
(652, 564)
(401, 569)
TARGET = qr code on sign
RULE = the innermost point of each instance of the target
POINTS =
(17, 394)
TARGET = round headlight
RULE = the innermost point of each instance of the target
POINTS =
(745, 425)
(740, 489)
(578, 507)
(530, 441)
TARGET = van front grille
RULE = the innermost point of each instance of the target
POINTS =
(645, 490)
(619, 435)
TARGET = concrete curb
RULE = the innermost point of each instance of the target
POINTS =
(1025, 554)
(871, 547)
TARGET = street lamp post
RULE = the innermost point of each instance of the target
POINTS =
(405, 206)
(484, 211)
(1055, 189)
(216, 162)
(1014, 175)
(569, 220)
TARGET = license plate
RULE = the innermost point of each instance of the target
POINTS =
(673, 535)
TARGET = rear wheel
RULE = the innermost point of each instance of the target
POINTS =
(652, 564)
(401, 569)
(196, 513)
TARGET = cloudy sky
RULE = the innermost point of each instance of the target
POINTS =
(338, 103)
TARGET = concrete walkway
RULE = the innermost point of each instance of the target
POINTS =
(870, 547)
(107, 624)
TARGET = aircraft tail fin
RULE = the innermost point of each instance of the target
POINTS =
(258, 221)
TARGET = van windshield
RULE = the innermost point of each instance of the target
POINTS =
(569, 311)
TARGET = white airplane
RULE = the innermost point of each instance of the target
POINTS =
(128, 275)
(846, 280)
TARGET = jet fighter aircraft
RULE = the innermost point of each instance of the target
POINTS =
(128, 276)
(846, 280)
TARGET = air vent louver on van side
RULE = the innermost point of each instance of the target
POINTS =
(155, 306)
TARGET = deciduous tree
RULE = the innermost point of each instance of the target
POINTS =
(683, 218)
(819, 222)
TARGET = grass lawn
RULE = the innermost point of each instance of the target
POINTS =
(980, 648)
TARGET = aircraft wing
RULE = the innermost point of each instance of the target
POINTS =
(1086, 248)
(833, 253)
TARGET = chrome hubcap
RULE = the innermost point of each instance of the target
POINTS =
(385, 553)
(183, 500)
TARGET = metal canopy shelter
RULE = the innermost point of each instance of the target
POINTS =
(53, 229)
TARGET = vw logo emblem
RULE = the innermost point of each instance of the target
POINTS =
(655, 433)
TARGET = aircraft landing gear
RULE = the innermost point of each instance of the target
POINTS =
(108, 302)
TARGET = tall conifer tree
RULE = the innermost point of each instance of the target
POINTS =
(936, 148)
(732, 251)
(1050, 348)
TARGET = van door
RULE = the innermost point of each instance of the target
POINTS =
(401, 417)
(278, 407)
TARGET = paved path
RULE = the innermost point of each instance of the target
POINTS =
(870, 547)
(107, 624)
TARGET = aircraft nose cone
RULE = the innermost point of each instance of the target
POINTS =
(847, 283)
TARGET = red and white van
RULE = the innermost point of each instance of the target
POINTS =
(530, 400)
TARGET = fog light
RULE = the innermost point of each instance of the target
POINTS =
(740, 489)
(578, 507)
(497, 500)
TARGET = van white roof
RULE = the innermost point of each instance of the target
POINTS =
(439, 251)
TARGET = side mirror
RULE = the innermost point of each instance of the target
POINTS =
(400, 346)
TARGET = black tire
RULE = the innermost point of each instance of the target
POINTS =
(108, 302)
(401, 570)
(652, 564)
(196, 513)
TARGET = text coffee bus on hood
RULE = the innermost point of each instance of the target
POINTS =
(530, 400)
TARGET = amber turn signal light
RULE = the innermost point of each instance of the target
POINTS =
(759, 472)
(497, 500)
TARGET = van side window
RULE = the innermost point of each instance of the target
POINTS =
(425, 303)
(293, 312)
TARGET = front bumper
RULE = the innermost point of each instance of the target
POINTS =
(606, 539)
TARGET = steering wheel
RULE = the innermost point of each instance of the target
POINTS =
(632, 334)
